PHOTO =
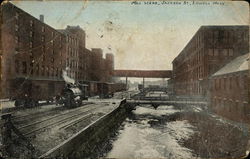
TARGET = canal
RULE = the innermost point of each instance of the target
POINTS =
(177, 132)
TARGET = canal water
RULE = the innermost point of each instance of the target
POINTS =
(150, 133)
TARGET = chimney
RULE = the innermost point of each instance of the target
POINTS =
(42, 18)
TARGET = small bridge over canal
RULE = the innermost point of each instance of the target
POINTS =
(164, 102)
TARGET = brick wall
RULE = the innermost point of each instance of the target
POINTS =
(229, 95)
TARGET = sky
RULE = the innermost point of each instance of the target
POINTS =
(143, 36)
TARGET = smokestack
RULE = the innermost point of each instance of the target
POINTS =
(42, 18)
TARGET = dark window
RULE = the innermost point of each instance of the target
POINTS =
(245, 82)
(219, 83)
(225, 83)
(221, 35)
(24, 67)
(216, 35)
(230, 83)
(237, 81)
(31, 68)
(56, 71)
(37, 70)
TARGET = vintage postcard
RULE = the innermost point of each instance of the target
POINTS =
(124, 79)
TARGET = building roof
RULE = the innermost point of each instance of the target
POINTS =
(238, 64)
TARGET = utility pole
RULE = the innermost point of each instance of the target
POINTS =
(143, 82)
(126, 82)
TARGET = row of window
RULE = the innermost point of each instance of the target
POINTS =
(227, 83)
(22, 68)
(222, 52)
(226, 35)
(72, 52)
(17, 41)
(72, 40)
(219, 34)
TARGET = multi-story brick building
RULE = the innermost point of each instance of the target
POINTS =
(30, 48)
(229, 89)
(208, 50)
(71, 50)
(75, 51)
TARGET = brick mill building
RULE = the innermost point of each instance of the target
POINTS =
(209, 49)
(31, 49)
(229, 89)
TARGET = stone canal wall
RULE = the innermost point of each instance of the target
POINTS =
(89, 140)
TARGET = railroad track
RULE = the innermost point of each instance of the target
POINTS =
(74, 122)
(21, 119)
(38, 126)
(35, 116)
(15, 117)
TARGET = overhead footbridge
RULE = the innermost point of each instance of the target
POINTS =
(143, 73)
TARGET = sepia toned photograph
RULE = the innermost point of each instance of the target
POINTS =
(124, 79)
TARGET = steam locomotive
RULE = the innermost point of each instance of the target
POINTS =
(72, 95)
